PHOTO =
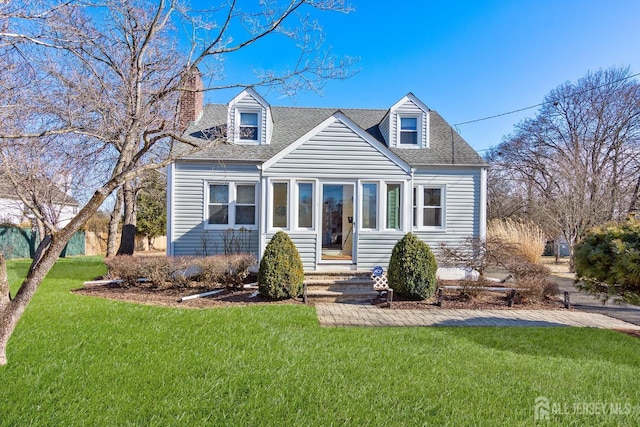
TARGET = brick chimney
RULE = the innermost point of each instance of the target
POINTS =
(191, 100)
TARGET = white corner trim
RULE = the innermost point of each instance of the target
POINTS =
(483, 205)
(170, 208)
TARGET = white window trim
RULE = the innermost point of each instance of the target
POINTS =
(232, 206)
(236, 130)
(296, 209)
(383, 205)
(420, 205)
(419, 123)
(290, 200)
(361, 205)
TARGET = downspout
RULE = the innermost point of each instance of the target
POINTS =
(170, 208)
(262, 232)
(409, 216)
(482, 232)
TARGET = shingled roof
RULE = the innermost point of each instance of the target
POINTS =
(291, 123)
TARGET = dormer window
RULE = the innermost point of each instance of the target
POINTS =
(409, 130)
(249, 126)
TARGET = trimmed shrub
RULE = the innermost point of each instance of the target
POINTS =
(412, 268)
(226, 270)
(281, 274)
(607, 261)
(127, 268)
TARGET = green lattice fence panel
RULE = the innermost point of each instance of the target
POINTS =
(16, 242)
(75, 246)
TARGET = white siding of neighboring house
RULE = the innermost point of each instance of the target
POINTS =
(188, 182)
(11, 211)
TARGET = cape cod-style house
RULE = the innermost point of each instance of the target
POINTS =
(345, 185)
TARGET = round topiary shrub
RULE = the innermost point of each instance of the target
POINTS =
(281, 274)
(412, 269)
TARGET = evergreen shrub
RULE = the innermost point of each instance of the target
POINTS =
(412, 268)
(607, 261)
(281, 274)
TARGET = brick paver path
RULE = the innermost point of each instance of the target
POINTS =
(371, 315)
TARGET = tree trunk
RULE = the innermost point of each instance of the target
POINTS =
(48, 252)
(12, 310)
(5, 299)
(114, 222)
(128, 237)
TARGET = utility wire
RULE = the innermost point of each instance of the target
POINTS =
(543, 103)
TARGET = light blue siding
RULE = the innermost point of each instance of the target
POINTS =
(462, 209)
(337, 152)
(189, 179)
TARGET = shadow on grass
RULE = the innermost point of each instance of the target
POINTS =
(499, 322)
(589, 344)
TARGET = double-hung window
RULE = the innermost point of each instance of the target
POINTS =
(245, 204)
(249, 126)
(409, 131)
(428, 207)
(218, 204)
(231, 204)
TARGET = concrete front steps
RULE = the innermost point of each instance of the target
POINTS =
(339, 286)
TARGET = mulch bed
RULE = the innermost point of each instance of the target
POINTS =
(170, 296)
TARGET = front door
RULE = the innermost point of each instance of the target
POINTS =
(337, 222)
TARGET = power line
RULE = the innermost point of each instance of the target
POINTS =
(542, 103)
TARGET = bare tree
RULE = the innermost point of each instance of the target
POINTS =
(575, 165)
(109, 76)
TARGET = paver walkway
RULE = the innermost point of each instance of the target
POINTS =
(370, 315)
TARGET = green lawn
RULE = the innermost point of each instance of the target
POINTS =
(77, 360)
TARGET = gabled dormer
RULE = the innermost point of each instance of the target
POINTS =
(249, 119)
(406, 124)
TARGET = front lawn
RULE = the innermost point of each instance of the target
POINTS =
(78, 360)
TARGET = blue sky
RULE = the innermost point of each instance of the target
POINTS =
(465, 59)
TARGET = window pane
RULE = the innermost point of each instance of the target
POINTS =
(218, 214)
(432, 217)
(249, 119)
(305, 205)
(393, 206)
(408, 123)
(432, 196)
(415, 206)
(369, 205)
(219, 193)
(246, 194)
(245, 215)
(280, 204)
(410, 137)
(249, 133)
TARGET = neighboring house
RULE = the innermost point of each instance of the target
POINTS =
(58, 206)
(346, 185)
